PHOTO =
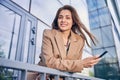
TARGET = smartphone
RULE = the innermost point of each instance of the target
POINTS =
(103, 54)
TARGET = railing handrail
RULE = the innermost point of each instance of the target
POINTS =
(25, 67)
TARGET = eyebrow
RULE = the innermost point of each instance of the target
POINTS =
(65, 15)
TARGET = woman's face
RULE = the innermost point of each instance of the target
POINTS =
(65, 21)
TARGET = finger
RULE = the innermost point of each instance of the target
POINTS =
(96, 57)
(95, 61)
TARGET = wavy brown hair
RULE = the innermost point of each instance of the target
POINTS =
(77, 27)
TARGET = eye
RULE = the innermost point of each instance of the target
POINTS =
(68, 18)
(60, 17)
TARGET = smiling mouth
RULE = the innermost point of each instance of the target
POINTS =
(63, 25)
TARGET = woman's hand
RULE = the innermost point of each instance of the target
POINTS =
(90, 61)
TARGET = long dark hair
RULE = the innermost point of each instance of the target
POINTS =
(77, 27)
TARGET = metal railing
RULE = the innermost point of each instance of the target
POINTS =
(25, 67)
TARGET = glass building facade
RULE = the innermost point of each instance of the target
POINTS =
(22, 23)
(101, 25)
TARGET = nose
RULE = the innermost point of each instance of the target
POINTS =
(63, 19)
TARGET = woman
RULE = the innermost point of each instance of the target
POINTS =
(63, 45)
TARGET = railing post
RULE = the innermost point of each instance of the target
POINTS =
(43, 76)
(24, 74)
(56, 77)
(66, 78)
(69, 78)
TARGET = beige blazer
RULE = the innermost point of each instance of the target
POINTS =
(53, 53)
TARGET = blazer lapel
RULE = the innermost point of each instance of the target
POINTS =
(60, 45)
(74, 45)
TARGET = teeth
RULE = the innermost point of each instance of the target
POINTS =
(63, 24)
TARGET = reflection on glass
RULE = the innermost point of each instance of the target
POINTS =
(9, 24)
(97, 33)
(92, 5)
(107, 68)
(14, 36)
(27, 35)
(107, 36)
(104, 16)
(95, 4)
(109, 57)
(94, 20)
(40, 29)
(107, 71)
(100, 3)
(98, 51)
(45, 9)
(4, 43)
(23, 3)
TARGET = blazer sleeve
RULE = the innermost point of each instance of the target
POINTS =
(50, 61)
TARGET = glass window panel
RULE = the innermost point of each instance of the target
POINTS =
(6, 19)
(115, 66)
(104, 16)
(5, 38)
(16, 26)
(40, 29)
(45, 9)
(111, 55)
(100, 3)
(100, 71)
(23, 3)
(9, 24)
(64, 2)
(92, 5)
(111, 70)
(6, 73)
(27, 35)
(117, 5)
(97, 34)
(107, 36)
(94, 20)
(107, 71)
(99, 52)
